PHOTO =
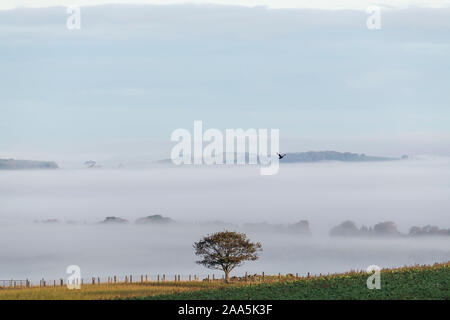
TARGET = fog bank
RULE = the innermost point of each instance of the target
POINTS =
(406, 192)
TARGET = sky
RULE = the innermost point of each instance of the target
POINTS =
(134, 73)
(273, 4)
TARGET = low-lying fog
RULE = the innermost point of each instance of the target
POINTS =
(413, 192)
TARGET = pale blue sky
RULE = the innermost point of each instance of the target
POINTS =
(133, 74)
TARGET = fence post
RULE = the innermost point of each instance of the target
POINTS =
(214, 277)
(246, 277)
(158, 278)
(98, 280)
(131, 278)
(189, 278)
(115, 279)
(164, 278)
(296, 276)
(146, 278)
(93, 280)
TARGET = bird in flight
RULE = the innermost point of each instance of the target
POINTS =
(281, 156)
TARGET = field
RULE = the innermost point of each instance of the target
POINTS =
(417, 282)
(105, 291)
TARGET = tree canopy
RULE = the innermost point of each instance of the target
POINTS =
(226, 250)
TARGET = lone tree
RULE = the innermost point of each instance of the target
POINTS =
(226, 250)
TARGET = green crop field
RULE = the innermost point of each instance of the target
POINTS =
(418, 282)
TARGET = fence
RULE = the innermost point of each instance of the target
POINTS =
(14, 283)
(142, 279)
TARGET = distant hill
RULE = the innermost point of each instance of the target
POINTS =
(318, 156)
(12, 164)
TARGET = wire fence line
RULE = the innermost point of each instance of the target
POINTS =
(13, 283)
(145, 278)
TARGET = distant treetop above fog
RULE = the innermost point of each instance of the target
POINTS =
(428, 231)
(12, 164)
(347, 228)
(114, 220)
(54, 221)
(317, 156)
(156, 218)
(383, 229)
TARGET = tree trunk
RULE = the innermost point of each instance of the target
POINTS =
(227, 276)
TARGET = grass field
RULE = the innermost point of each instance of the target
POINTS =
(104, 291)
(417, 282)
